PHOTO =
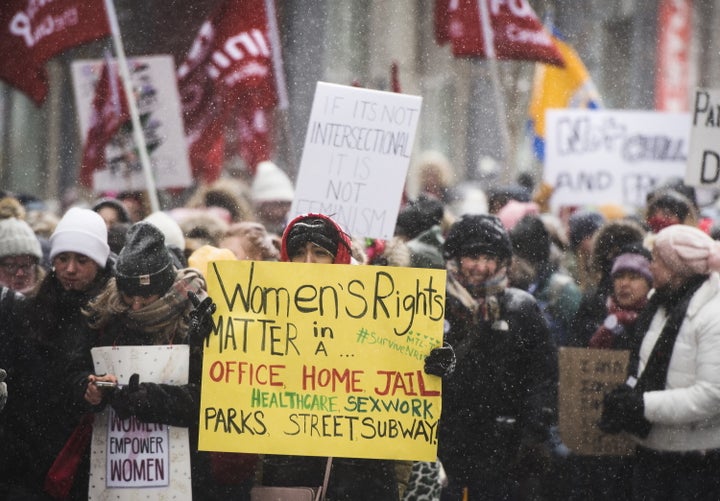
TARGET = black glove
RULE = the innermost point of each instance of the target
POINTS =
(441, 361)
(201, 323)
(624, 410)
(3, 389)
(128, 400)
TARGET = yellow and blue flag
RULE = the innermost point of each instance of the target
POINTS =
(556, 87)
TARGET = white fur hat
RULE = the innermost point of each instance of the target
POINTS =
(271, 184)
(82, 231)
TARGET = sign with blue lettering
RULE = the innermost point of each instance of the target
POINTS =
(595, 157)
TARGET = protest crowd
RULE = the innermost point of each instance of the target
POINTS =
(522, 283)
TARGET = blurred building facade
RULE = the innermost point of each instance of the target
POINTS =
(345, 41)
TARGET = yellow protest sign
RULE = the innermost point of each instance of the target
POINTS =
(322, 360)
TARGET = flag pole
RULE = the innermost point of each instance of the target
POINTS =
(138, 135)
(490, 56)
(280, 83)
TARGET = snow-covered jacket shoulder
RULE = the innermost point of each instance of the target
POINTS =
(686, 415)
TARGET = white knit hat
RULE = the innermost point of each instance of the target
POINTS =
(169, 227)
(17, 238)
(271, 184)
(82, 231)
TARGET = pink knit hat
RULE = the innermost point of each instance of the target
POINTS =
(513, 211)
(687, 250)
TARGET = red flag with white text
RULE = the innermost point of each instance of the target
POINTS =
(109, 111)
(229, 66)
(516, 30)
(32, 32)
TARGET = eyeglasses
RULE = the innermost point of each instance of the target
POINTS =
(12, 268)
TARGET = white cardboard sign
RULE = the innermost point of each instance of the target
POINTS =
(703, 166)
(613, 156)
(131, 460)
(159, 108)
(356, 156)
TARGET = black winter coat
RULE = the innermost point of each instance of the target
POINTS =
(41, 414)
(591, 313)
(504, 388)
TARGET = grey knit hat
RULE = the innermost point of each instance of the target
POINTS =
(17, 238)
(144, 266)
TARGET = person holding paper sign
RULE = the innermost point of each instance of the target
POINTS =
(150, 302)
(670, 403)
(499, 403)
(316, 238)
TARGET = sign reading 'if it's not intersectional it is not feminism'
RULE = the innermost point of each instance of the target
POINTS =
(322, 360)
(356, 156)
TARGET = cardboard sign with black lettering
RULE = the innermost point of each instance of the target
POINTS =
(703, 166)
(586, 375)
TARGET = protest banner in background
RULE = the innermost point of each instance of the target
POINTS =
(612, 156)
(586, 375)
(132, 460)
(356, 156)
(322, 360)
(159, 108)
(703, 166)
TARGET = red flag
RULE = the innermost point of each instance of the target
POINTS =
(230, 63)
(109, 112)
(517, 31)
(33, 32)
(672, 78)
(443, 9)
(395, 77)
(254, 134)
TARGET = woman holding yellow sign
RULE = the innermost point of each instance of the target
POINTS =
(316, 238)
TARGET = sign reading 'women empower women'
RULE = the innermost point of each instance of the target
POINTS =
(133, 460)
(314, 359)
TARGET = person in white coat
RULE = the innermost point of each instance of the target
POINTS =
(671, 400)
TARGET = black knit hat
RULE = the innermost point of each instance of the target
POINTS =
(478, 234)
(582, 224)
(316, 230)
(144, 266)
(531, 240)
(117, 205)
(419, 215)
